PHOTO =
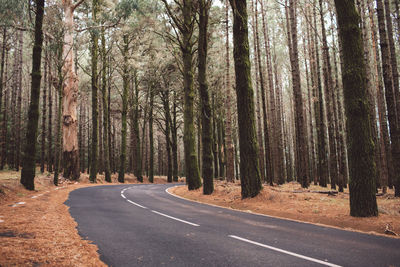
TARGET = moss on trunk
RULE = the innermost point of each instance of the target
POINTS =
(359, 131)
(249, 166)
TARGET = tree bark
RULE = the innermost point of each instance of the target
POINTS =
(95, 89)
(70, 98)
(230, 168)
(267, 139)
(125, 85)
(249, 167)
(206, 127)
(300, 131)
(107, 174)
(390, 94)
(44, 104)
(28, 167)
(361, 157)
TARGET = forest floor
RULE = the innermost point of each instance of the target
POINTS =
(290, 201)
(36, 228)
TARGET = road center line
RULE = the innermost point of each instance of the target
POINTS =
(284, 251)
(143, 207)
(173, 218)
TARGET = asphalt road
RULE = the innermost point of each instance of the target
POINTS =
(143, 225)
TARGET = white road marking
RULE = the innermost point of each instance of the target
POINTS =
(122, 195)
(284, 251)
(130, 201)
(34, 196)
(173, 218)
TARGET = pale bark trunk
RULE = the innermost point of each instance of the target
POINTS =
(70, 96)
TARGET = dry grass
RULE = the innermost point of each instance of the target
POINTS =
(41, 232)
(292, 202)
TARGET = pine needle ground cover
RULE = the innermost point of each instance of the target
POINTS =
(290, 201)
(36, 228)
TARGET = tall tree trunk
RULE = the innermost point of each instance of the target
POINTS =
(95, 89)
(44, 106)
(110, 151)
(249, 167)
(70, 98)
(28, 167)
(2, 61)
(300, 130)
(390, 96)
(361, 157)
(19, 102)
(275, 153)
(59, 136)
(384, 141)
(267, 142)
(261, 155)
(206, 127)
(191, 167)
(167, 133)
(215, 136)
(107, 174)
(4, 145)
(50, 152)
(319, 109)
(329, 93)
(151, 135)
(138, 162)
(125, 81)
(230, 168)
(174, 144)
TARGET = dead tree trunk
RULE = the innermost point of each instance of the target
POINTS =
(70, 95)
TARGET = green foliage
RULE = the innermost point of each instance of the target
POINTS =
(11, 10)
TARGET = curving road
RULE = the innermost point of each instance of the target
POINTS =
(143, 225)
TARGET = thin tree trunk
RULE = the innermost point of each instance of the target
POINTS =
(44, 106)
(107, 174)
(50, 152)
(4, 112)
(261, 155)
(390, 96)
(300, 132)
(320, 111)
(151, 135)
(267, 141)
(230, 168)
(19, 102)
(125, 81)
(95, 89)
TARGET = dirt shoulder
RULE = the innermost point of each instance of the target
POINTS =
(36, 228)
(289, 201)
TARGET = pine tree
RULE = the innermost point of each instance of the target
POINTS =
(28, 167)
(359, 132)
(249, 167)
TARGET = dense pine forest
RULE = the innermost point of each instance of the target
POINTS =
(265, 92)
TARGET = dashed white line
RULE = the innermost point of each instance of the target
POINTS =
(284, 251)
(156, 212)
(173, 218)
(130, 201)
